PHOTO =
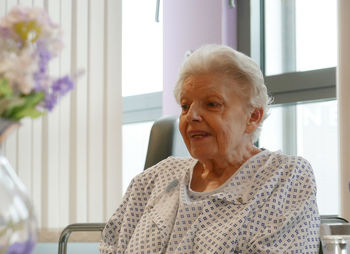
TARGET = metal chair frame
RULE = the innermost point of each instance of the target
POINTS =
(77, 227)
(331, 219)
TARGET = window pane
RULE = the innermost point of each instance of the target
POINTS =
(316, 37)
(318, 142)
(135, 144)
(295, 40)
(142, 53)
(272, 132)
(274, 44)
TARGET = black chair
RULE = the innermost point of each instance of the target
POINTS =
(165, 140)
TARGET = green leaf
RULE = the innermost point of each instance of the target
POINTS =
(31, 112)
(5, 89)
(26, 108)
(8, 104)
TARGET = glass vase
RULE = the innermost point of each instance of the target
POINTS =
(17, 220)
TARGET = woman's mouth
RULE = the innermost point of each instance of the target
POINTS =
(198, 134)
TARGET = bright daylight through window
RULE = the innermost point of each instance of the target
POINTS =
(142, 81)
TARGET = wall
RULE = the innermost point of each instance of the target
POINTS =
(189, 24)
(343, 93)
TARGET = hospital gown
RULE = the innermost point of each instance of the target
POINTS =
(267, 206)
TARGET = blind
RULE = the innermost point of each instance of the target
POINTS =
(70, 159)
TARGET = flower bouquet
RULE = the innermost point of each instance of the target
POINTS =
(29, 40)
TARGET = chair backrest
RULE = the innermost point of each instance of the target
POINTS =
(165, 140)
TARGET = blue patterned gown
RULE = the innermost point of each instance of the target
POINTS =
(267, 206)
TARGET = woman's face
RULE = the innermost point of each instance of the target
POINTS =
(214, 117)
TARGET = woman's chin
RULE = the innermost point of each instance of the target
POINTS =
(202, 154)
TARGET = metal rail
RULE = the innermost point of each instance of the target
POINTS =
(77, 227)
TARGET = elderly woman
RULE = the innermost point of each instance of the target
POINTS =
(231, 196)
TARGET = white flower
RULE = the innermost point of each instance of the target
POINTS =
(28, 42)
(19, 69)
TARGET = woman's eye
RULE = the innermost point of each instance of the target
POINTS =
(185, 107)
(213, 104)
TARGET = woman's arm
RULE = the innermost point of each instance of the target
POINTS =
(289, 221)
(110, 234)
(122, 224)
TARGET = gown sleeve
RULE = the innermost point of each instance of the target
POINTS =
(120, 227)
(290, 219)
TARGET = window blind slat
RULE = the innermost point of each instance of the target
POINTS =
(37, 166)
(53, 137)
(24, 153)
(113, 52)
(82, 110)
(64, 106)
(95, 105)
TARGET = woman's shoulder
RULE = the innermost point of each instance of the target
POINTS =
(291, 166)
(165, 170)
(284, 160)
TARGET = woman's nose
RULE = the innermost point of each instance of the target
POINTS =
(194, 114)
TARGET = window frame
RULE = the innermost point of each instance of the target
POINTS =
(142, 108)
(298, 86)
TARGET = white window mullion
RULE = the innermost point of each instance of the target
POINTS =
(289, 129)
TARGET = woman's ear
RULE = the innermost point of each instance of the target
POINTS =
(254, 121)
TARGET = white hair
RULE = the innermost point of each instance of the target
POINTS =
(233, 64)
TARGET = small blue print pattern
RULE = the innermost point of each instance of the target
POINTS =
(267, 206)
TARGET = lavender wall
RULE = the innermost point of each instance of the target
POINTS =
(187, 25)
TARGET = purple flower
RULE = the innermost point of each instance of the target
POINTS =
(50, 101)
(21, 248)
(41, 75)
(63, 85)
(4, 32)
(59, 88)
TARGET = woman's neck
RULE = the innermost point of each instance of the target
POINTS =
(210, 174)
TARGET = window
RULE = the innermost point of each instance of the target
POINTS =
(289, 43)
(142, 82)
(135, 144)
(142, 49)
(299, 68)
